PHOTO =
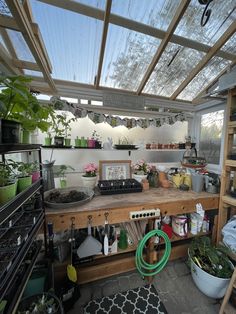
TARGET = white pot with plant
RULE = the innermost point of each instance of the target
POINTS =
(90, 177)
(211, 268)
(140, 170)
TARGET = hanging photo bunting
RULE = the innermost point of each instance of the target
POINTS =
(108, 119)
(78, 113)
(96, 118)
(102, 118)
(91, 115)
(158, 123)
(152, 122)
(84, 113)
(113, 121)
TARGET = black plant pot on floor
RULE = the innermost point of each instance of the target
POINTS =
(10, 132)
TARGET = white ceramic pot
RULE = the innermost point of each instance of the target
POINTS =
(213, 287)
(89, 182)
(139, 177)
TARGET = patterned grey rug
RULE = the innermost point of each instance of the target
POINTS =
(143, 300)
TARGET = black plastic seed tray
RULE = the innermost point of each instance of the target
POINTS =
(108, 187)
(29, 218)
(6, 258)
(11, 220)
(14, 237)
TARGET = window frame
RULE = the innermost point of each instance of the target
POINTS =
(212, 167)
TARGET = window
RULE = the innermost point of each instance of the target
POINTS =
(210, 136)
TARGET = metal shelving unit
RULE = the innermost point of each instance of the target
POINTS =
(6, 211)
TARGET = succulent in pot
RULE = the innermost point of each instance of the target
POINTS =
(8, 184)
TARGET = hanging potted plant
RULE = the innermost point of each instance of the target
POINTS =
(62, 174)
(8, 184)
(211, 268)
(90, 177)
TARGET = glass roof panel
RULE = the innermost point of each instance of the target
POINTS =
(173, 67)
(4, 8)
(99, 4)
(154, 13)
(72, 42)
(204, 77)
(21, 48)
(223, 14)
(33, 73)
(126, 58)
(230, 45)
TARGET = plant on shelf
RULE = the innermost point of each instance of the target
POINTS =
(8, 184)
(62, 174)
(97, 138)
(19, 106)
(89, 178)
(23, 174)
(210, 266)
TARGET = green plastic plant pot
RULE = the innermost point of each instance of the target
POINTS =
(7, 193)
(63, 183)
(25, 137)
(67, 141)
(24, 183)
(48, 141)
(77, 142)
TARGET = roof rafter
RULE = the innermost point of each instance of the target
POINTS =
(174, 23)
(133, 25)
(220, 42)
(103, 42)
(7, 61)
(26, 29)
(21, 64)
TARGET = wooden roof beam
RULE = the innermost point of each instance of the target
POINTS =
(104, 39)
(220, 42)
(21, 64)
(7, 61)
(174, 23)
(133, 25)
(26, 29)
(10, 23)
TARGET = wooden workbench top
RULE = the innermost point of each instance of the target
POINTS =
(151, 197)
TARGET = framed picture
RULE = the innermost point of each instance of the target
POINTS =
(114, 169)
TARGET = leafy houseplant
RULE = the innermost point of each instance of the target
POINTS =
(210, 267)
(19, 105)
(141, 167)
(23, 173)
(62, 174)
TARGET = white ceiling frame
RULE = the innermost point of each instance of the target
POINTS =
(170, 31)
(103, 42)
(133, 25)
(26, 29)
(212, 52)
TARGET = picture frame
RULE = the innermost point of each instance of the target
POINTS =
(114, 169)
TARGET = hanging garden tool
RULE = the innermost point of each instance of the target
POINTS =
(71, 271)
(90, 246)
(106, 232)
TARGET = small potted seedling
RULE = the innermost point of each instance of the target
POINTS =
(35, 171)
(62, 174)
(66, 122)
(8, 184)
(24, 174)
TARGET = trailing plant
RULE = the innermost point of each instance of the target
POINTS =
(210, 258)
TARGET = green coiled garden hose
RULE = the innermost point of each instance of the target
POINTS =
(144, 268)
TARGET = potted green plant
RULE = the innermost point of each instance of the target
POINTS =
(90, 177)
(211, 268)
(62, 174)
(23, 174)
(66, 122)
(42, 303)
(19, 107)
(8, 184)
(140, 170)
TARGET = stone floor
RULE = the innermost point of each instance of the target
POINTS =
(174, 285)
